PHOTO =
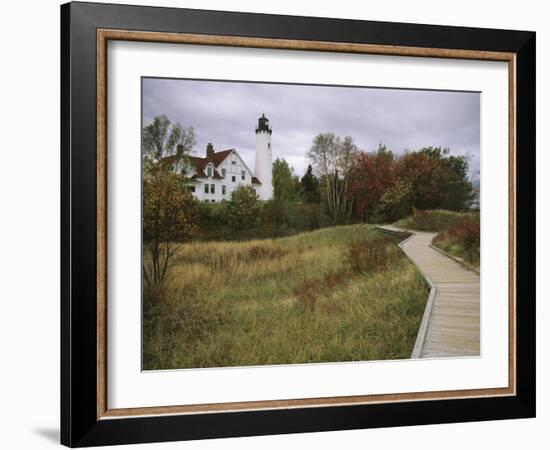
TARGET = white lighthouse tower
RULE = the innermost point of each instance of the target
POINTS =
(264, 162)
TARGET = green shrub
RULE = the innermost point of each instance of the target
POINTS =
(244, 209)
(304, 216)
(274, 219)
(210, 213)
(395, 203)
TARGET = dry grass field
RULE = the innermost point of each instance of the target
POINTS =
(312, 297)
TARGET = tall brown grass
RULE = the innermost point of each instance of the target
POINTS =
(435, 220)
(366, 256)
(282, 301)
(462, 240)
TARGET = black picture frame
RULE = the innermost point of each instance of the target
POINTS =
(79, 423)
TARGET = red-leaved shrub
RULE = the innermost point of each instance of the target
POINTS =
(373, 255)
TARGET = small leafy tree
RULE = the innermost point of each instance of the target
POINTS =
(283, 183)
(244, 209)
(169, 216)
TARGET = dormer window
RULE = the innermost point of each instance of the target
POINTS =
(209, 170)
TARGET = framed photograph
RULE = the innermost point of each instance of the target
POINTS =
(276, 224)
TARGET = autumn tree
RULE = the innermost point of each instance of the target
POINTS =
(371, 176)
(169, 216)
(333, 158)
(169, 211)
(438, 179)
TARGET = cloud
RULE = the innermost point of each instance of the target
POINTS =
(226, 113)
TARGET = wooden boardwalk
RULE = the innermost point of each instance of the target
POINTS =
(451, 322)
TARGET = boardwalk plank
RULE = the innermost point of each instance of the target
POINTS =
(453, 327)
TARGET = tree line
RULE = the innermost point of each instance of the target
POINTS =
(377, 186)
(342, 184)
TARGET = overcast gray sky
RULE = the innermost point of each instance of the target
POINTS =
(226, 113)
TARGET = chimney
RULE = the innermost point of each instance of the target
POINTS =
(209, 150)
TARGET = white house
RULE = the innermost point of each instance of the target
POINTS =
(216, 175)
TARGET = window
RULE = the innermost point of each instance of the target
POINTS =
(243, 175)
(224, 189)
(223, 173)
(233, 178)
(206, 186)
(191, 188)
(269, 145)
(213, 201)
(212, 188)
(209, 171)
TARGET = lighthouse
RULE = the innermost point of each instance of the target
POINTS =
(264, 164)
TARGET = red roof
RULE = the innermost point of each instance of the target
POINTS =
(200, 164)
(216, 158)
(200, 174)
(169, 159)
